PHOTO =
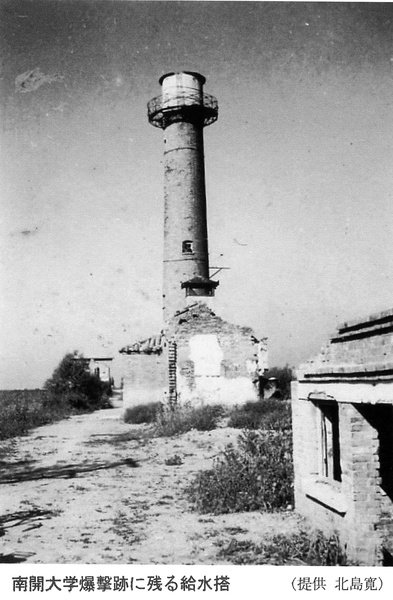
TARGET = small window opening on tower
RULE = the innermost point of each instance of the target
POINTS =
(330, 441)
(188, 247)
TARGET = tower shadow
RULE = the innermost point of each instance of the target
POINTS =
(31, 519)
(58, 471)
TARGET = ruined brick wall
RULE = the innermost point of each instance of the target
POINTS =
(363, 346)
(353, 375)
(363, 472)
(351, 506)
(233, 348)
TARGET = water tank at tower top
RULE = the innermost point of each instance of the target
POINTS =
(182, 89)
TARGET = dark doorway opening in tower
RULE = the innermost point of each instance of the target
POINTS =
(380, 417)
(187, 247)
(198, 292)
(199, 286)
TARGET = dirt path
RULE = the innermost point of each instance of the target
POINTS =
(87, 494)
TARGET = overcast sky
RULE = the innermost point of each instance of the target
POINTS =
(298, 167)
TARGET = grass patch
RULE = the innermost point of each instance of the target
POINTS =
(142, 413)
(21, 410)
(304, 547)
(70, 390)
(121, 438)
(181, 418)
(168, 421)
(263, 414)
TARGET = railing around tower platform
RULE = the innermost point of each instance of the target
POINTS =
(166, 109)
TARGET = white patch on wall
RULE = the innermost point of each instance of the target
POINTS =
(210, 385)
(238, 391)
(251, 366)
(263, 358)
(213, 390)
(206, 354)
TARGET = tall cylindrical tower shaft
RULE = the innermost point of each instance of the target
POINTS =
(182, 111)
(185, 226)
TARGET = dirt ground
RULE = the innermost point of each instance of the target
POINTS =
(78, 491)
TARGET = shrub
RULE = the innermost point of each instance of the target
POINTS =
(142, 413)
(263, 414)
(174, 461)
(255, 475)
(284, 376)
(304, 547)
(183, 417)
(73, 384)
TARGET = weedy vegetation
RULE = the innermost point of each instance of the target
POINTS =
(21, 410)
(174, 461)
(70, 390)
(171, 421)
(257, 473)
(168, 421)
(305, 547)
(142, 413)
(265, 414)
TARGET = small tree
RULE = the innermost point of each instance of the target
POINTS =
(284, 376)
(71, 382)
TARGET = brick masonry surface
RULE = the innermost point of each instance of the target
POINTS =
(240, 352)
(145, 378)
(238, 357)
(357, 503)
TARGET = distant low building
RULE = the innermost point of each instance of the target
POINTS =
(145, 376)
(99, 366)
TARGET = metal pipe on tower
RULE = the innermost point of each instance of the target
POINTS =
(182, 111)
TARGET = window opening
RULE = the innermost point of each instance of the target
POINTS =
(330, 441)
(187, 247)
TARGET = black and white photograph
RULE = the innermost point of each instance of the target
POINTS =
(196, 291)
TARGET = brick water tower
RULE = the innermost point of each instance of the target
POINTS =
(182, 111)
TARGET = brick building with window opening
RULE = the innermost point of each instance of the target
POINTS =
(342, 405)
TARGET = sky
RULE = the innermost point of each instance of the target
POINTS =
(298, 171)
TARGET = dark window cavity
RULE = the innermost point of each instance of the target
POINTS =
(187, 247)
(330, 441)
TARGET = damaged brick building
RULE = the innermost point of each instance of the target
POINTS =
(343, 438)
(198, 356)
